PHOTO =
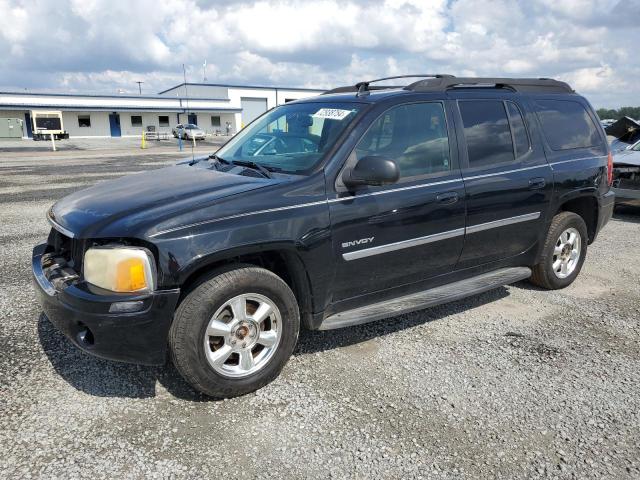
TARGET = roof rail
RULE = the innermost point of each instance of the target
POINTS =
(362, 87)
(443, 82)
(540, 85)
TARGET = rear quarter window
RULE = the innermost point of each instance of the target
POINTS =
(567, 124)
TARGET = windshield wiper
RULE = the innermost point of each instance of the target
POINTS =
(218, 159)
(253, 165)
(266, 171)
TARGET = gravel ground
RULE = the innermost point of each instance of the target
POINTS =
(514, 383)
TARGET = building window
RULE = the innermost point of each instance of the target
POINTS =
(163, 120)
(136, 120)
(84, 121)
(215, 121)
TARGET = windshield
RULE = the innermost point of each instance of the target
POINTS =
(291, 138)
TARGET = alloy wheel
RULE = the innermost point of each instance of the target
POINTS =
(242, 335)
(566, 253)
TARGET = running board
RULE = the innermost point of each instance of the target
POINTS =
(428, 298)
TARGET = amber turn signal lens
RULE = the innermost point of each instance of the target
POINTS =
(130, 275)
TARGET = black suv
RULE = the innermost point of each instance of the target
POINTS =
(356, 205)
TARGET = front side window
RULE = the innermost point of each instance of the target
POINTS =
(84, 121)
(163, 120)
(487, 132)
(567, 125)
(291, 138)
(413, 135)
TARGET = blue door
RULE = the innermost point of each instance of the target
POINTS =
(114, 123)
(27, 124)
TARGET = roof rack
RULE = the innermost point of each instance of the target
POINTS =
(441, 83)
(362, 87)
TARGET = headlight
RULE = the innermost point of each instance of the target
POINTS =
(120, 269)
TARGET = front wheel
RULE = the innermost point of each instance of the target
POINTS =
(234, 332)
(563, 253)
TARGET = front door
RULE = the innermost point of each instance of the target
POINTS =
(114, 124)
(507, 179)
(408, 232)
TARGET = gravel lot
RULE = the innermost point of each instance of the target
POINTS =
(514, 383)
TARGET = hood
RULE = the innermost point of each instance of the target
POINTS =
(150, 196)
(623, 129)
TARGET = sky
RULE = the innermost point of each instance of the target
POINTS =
(107, 45)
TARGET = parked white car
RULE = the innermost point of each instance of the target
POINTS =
(188, 131)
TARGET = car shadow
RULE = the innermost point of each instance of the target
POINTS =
(627, 213)
(105, 378)
(313, 341)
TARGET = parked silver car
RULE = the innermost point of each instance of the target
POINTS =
(188, 131)
(626, 175)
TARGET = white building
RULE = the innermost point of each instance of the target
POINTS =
(212, 107)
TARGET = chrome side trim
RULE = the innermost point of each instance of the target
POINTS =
(502, 222)
(578, 159)
(503, 172)
(495, 174)
(392, 190)
(390, 247)
(239, 215)
(59, 227)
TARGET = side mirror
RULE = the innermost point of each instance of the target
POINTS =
(371, 170)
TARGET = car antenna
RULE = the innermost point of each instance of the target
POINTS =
(186, 95)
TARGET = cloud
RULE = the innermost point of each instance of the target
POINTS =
(106, 45)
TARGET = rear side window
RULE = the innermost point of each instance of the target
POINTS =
(566, 124)
(414, 135)
(487, 132)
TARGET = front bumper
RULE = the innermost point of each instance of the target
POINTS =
(627, 195)
(83, 317)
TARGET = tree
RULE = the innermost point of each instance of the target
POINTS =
(633, 112)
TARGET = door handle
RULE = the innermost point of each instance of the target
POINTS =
(537, 183)
(447, 198)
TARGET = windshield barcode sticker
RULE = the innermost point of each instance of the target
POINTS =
(332, 113)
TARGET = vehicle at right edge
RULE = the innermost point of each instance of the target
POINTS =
(360, 204)
(626, 175)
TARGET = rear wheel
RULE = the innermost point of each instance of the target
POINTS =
(563, 253)
(234, 332)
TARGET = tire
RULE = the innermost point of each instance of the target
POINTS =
(194, 346)
(550, 274)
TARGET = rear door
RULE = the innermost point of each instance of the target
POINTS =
(401, 234)
(507, 179)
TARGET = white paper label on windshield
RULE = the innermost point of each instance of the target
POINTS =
(332, 113)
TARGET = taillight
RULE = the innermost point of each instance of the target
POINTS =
(610, 169)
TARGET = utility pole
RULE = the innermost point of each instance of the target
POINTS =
(204, 72)
(140, 86)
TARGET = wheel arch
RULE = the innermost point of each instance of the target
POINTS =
(282, 260)
(584, 205)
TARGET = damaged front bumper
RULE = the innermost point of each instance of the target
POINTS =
(626, 184)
